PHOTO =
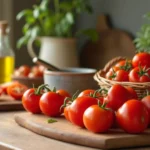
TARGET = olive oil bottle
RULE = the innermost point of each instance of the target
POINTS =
(7, 57)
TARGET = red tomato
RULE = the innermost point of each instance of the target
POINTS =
(86, 92)
(146, 102)
(77, 108)
(124, 65)
(133, 94)
(139, 74)
(16, 90)
(30, 100)
(119, 75)
(117, 95)
(66, 112)
(63, 93)
(133, 116)
(50, 104)
(98, 119)
(142, 59)
(24, 70)
(35, 72)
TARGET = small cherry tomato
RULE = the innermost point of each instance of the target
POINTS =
(16, 90)
(30, 100)
(133, 116)
(86, 92)
(77, 108)
(50, 104)
(98, 119)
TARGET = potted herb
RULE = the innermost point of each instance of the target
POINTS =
(142, 41)
(52, 22)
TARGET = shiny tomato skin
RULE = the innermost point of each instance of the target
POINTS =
(133, 94)
(117, 95)
(50, 104)
(97, 119)
(86, 92)
(30, 101)
(121, 75)
(16, 90)
(135, 77)
(133, 116)
(122, 63)
(146, 101)
(66, 112)
(142, 59)
(77, 108)
(63, 93)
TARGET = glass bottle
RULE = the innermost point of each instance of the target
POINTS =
(7, 57)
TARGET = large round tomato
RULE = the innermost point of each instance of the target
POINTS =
(117, 95)
(133, 116)
(30, 101)
(139, 74)
(146, 101)
(50, 104)
(77, 108)
(86, 92)
(141, 59)
(98, 119)
(16, 90)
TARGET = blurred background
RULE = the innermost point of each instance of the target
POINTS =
(126, 15)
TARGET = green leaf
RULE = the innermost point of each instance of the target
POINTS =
(51, 120)
(90, 33)
(44, 5)
(22, 41)
(24, 13)
(36, 12)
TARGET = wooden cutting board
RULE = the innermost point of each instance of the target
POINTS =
(112, 42)
(7, 103)
(65, 131)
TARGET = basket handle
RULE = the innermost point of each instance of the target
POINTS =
(112, 62)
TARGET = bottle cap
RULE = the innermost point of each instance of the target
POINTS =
(3, 27)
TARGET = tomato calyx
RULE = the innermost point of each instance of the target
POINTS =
(143, 71)
(127, 66)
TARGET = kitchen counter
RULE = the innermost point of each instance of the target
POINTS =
(15, 137)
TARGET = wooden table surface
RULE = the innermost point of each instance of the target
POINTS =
(14, 137)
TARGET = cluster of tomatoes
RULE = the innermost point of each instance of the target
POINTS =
(96, 110)
(135, 70)
(31, 72)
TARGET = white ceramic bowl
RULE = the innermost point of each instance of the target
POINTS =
(71, 79)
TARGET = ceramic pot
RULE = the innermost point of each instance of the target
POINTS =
(61, 52)
(71, 79)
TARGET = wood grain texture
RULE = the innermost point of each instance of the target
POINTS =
(14, 137)
(111, 43)
(7, 103)
(65, 131)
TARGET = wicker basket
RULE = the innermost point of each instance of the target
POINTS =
(139, 87)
